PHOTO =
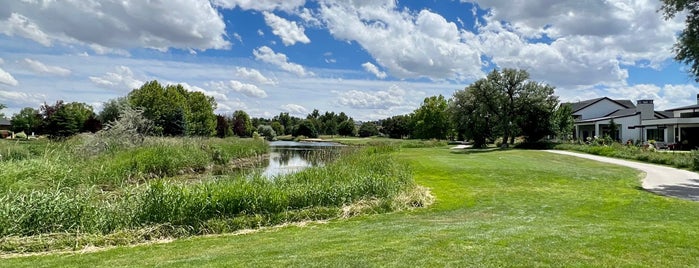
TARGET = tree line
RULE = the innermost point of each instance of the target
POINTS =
(503, 105)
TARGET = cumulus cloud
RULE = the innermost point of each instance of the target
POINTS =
(41, 68)
(118, 25)
(280, 60)
(294, 109)
(249, 90)
(577, 44)
(383, 99)
(6, 78)
(211, 93)
(371, 68)
(408, 45)
(262, 5)
(253, 75)
(20, 25)
(288, 31)
(19, 99)
(122, 80)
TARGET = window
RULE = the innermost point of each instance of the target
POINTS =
(655, 134)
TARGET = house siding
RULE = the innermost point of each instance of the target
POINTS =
(599, 109)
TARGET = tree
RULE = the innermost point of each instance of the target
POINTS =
(306, 128)
(347, 128)
(28, 120)
(431, 120)
(397, 126)
(562, 121)
(535, 107)
(368, 129)
(111, 109)
(63, 120)
(473, 112)
(504, 104)
(223, 129)
(2, 106)
(174, 110)
(241, 124)
(686, 47)
(201, 120)
(267, 131)
(278, 127)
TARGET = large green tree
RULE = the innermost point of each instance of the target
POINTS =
(368, 129)
(431, 119)
(687, 45)
(474, 112)
(505, 104)
(241, 124)
(65, 119)
(28, 120)
(396, 127)
(2, 106)
(563, 122)
(174, 110)
(347, 128)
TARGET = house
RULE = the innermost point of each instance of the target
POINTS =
(639, 122)
(5, 124)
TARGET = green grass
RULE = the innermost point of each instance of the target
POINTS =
(493, 209)
(366, 180)
(681, 159)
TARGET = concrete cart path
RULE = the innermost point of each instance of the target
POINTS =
(659, 179)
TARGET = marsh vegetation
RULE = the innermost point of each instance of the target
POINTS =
(62, 195)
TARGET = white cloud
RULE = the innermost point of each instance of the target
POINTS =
(408, 45)
(41, 68)
(253, 75)
(288, 31)
(280, 60)
(20, 99)
(572, 43)
(262, 5)
(294, 109)
(6, 78)
(211, 93)
(122, 80)
(373, 100)
(117, 25)
(371, 68)
(249, 90)
(20, 25)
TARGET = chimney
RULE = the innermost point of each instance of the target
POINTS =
(697, 98)
(647, 109)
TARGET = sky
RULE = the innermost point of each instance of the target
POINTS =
(371, 59)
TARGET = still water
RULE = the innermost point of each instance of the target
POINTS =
(287, 157)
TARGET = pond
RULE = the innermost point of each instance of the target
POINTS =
(287, 157)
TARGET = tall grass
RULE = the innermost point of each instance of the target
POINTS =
(45, 165)
(212, 206)
(677, 159)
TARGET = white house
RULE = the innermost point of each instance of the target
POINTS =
(640, 122)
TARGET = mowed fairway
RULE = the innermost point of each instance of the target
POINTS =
(493, 209)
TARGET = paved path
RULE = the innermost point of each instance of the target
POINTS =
(659, 179)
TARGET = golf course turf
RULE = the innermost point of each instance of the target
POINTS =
(493, 209)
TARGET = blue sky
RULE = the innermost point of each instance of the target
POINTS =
(369, 58)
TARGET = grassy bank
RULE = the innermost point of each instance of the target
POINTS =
(686, 160)
(493, 209)
(41, 165)
(60, 217)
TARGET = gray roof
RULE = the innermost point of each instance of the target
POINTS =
(4, 122)
(695, 106)
(577, 106)
(622, 112)
(664, 114)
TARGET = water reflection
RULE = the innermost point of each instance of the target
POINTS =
(289, 157)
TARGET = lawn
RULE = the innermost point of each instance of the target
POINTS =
(493, 209)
